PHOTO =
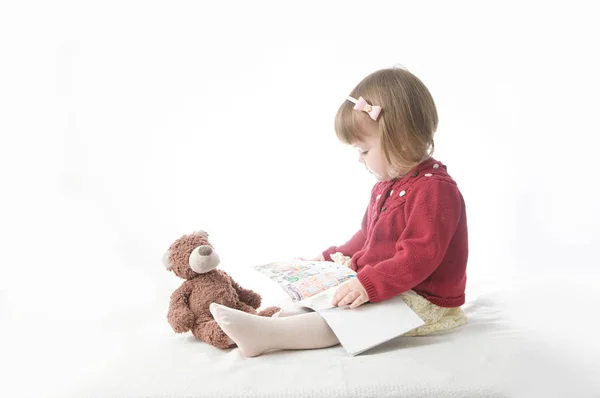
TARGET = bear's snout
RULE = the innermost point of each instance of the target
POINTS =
(205, 250)
(203, 259)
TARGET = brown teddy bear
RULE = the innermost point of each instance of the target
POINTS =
(194, 259)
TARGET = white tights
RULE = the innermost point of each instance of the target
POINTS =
(287, 330)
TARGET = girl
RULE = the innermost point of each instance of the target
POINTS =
(413, 238)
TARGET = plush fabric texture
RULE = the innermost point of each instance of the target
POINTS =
(189, 304)
(413, 236)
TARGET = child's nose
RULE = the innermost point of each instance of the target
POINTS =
(361, 159)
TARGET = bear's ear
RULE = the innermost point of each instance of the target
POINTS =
(165, 260)
(201, 233)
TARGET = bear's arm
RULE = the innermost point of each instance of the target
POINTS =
(248, 296)
(180, 317)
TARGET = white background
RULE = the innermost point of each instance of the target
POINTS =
(126, 124)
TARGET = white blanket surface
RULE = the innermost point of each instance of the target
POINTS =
(529, 339)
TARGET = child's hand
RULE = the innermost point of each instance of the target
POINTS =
(352, 293)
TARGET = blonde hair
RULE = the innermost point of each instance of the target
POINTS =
(407, 122)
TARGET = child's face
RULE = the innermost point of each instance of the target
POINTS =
(372, 157)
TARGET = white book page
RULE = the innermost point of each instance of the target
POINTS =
(370, 325)
(321, 301)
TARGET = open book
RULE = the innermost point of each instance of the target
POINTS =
(312, 284)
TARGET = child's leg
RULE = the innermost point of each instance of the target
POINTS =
(254, 335)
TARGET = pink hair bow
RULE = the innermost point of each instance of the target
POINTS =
(361, 105)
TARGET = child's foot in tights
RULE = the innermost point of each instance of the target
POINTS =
(255, 335)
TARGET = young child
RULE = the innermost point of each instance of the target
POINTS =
(413, 238)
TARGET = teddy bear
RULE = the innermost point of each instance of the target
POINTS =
(193, 258)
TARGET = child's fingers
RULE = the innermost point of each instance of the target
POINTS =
(340, 293)
(360, 300)
(349, 298)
